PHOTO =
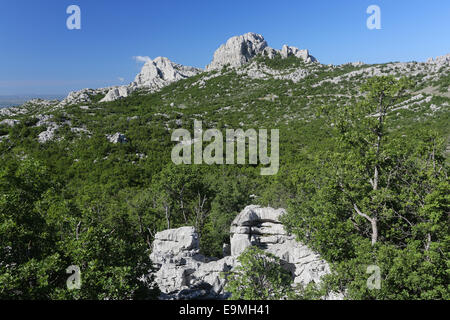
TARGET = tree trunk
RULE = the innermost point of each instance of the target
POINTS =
(167, 216)
(373, 223)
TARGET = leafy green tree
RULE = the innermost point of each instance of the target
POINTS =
(28, 265)
(364, 166)
(232, 190)
(259, 276)
(181, 195)
(379, 187)
(42, 233)
(112, 268)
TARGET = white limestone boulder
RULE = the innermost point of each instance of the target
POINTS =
(9, 122)
(116, 93)
(184, 273)
(160, 72)
(117, 138)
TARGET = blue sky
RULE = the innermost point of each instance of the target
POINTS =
(39, 55)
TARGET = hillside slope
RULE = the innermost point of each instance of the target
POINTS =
(103, 170)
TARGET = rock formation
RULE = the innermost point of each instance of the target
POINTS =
(287, 51)
(184, 273)
(9, 122)
(262, 227)
(51, 127)
(81, 96)
(155, 74)
(441, 60)
(160, 72)
(240, 50)
(236, 52)
(269, 52)
(117, 138)
(116, 93)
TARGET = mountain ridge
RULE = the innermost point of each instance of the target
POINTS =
(161, 71)
(236, 52)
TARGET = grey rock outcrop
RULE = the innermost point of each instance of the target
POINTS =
(48, 134)
(116, 93)
(240, 50)
(51, 127)
(253, 223)
(237, 51)
(81, 96)
(154, 75)
(441, 60)
(172, 245)
(28, 107)
(117, 138)
(9, 122)
(184, 273)
(160, 72)
(269, 52)
(288, 51)
(261, 227)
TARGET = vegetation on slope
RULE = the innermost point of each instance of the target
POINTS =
(82, 200)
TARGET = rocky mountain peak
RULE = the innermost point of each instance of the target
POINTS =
(441, 60)
(288, 51)
(154, 75)
(238, 50)
(161, 71)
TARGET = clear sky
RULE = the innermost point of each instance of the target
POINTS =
(39, 55)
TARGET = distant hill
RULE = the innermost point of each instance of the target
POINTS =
(17, 100)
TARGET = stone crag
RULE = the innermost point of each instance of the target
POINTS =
(240, 50)
(184, 273)
(155, 74)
